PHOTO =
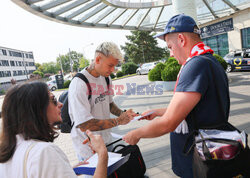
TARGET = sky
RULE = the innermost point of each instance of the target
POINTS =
(47, 40)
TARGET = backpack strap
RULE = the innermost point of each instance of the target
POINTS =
(107, 81)
(83, 77)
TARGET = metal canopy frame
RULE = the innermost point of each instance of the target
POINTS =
(115, 14)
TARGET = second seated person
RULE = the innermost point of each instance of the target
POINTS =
(94, 114)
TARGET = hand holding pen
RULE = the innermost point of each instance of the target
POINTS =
(96, 143)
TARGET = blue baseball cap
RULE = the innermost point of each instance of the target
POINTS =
(179, 23)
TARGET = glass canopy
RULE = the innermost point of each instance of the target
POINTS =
(126, 14)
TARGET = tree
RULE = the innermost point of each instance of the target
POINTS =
(83, 63)
(37, 65)
(65, 60)
(50, 67)
(142, 47)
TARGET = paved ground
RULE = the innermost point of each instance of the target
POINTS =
(156, 152)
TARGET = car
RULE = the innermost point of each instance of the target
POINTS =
(238, 60)
(52, 85)
(145, 68)
(68, 77)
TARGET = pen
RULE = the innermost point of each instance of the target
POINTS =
(87, 136)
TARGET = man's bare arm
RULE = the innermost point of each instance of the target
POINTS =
(178, 109)
(99, 124)
(114, 109)
(180, 106)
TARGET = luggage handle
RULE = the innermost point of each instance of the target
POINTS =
(120, 145)
(113, 142)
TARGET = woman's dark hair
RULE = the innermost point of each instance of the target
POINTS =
(24, 111)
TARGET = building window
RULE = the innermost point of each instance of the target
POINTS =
(31, 56)
(218, 43)
(16, 54)
(5, 74)
(5, 63)
(4, 52)
(245, 37)
(12, 63)
(31, 64)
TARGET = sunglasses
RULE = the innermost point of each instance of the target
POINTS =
(54, 100)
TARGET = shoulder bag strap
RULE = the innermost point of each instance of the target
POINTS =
(194, 121)
(25, 159)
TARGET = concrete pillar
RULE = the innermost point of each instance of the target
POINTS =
(188, 7)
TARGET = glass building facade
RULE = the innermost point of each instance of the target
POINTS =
(218, 43)
(245, 37)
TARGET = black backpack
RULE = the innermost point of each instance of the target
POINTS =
(66, 124)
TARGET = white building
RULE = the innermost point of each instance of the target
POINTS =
(15, 64)
(228, 33)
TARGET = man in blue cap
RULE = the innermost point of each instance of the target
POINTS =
(195, 91)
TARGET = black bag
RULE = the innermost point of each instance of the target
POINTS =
(66, 124)
(134, 167)
(238, 165)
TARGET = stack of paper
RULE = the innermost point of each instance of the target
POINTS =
(114, 162)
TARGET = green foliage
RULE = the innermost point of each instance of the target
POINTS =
(2, 92)
(170, 60)
(37, 65)
(155, 73)
(171, 70)
(221, 61)
(112, 75)
(170, 73)
(64, 60)
(83, 63)
(50, 67)
(66, 84)
(119, 74)
(129, 68)
(38, 73)
(142, 48)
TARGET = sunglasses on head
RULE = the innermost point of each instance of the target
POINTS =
(54, 100)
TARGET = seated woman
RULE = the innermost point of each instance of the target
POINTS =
(29, 116)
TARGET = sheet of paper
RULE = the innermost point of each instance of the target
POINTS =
(117, 136)
(140, 116)
(93, 160)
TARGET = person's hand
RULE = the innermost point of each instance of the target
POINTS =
(131, 138)
(125, 117)
(149, 117)
(96, 143)
(81, 163)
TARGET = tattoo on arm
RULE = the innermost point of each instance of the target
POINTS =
(97, 124)
(114, 109)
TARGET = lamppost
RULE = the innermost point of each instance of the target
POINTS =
(90, 44)
(143, 53)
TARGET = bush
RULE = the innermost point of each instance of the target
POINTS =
(119, 74)
(129, 68)
(171, 70)
(155, 73)
(170, 60)
(221, 60)
(38, 73)
(112, 75)
(66, 84)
